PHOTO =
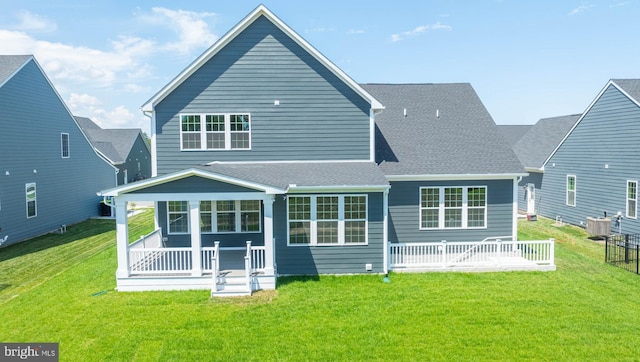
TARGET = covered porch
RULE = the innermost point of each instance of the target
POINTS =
(203, 238)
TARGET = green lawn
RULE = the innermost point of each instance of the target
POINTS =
(586, 310)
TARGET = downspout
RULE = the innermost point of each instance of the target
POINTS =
(154, 162)
(154, 165)
(385, 231)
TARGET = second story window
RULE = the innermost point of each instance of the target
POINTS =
(64, 145)
(215, 132)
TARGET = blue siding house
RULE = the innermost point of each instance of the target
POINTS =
(49, 172)
(594, 171)
(124, 148)
(533, 149)
(269, 161)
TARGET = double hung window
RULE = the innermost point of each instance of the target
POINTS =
(215, 131)
(327, 220)
(230, 216)
(632, 199)
(64, 145)
(571, 190)
(31, 200)
(453, 207)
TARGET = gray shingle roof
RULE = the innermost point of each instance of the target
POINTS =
(114, 144)
(303, 174)
(631, 86)
(10, 63)
(536, 145)
(446, 131)
(513, 132)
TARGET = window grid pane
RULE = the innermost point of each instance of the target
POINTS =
(355, 232)
(632, 197)
(299, 220)
(327, 208)
(191, 141)
(226, 216)
(476, 204)
(31, 199)
(430, 207)
(215, 131)
(571, 190)
(453, 207)
(178, 217)
(452, 218)
(327, 232)
(64, 139)
(250, 215)
(206, 216)
(239, 125)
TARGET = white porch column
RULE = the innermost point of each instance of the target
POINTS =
(196, 242)
(269, 253)
(122, 238)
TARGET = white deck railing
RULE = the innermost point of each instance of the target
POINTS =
(144, 259)
(151, 240)
(159, 260)
(258, 258)
(486, 253)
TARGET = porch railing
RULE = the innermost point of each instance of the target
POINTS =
(160, 260)
(151, 240)
(258, 262)
(144, 259)
(468, 254)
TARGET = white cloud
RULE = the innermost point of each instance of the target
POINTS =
(581, 8)
(192, 29)
(113, 71)
(86, 105)
(34, 22)
(420, 29)
(355, 31)
(618, 4)
(79, 64)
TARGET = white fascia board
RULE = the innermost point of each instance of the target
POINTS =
(293, 189)
(235, 31)
(283, 161)
(196, 196)
(455, 177)
(140, 185)
(534, 169)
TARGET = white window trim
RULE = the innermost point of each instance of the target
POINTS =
(62, 145)
(575, 190)
(35, 199)
(169, 220)
(238, 218)
(313, 222)
(465, 208)
(635, 212)
(203, 131)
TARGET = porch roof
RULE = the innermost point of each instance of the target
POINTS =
(276, 177)
(305, 176)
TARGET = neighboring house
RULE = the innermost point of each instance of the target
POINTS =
(594, 171)
(533, 149)
(514, 132)
(125, 148)
(49, 173)
(269, 160)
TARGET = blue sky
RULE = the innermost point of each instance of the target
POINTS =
(526, 59)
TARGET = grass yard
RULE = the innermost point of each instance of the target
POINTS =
(59, 288)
